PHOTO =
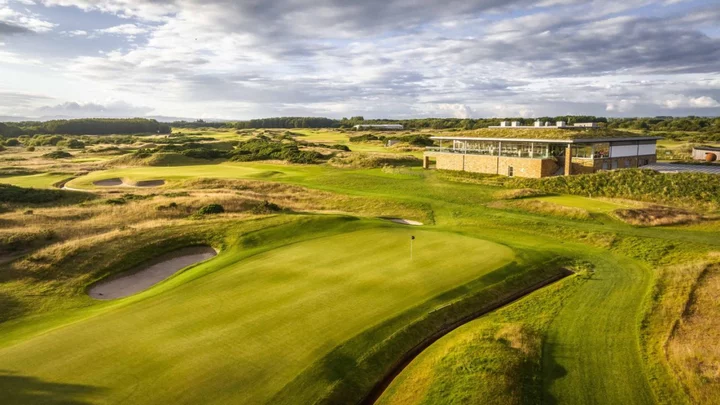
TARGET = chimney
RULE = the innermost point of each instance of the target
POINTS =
(538, 124)
(547, 123)
(515, 123)
(504, 124)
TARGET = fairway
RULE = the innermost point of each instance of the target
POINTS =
(239, 334)
(173, 173)
(591, 204)
(42, 180)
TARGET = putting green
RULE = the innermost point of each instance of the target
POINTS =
(238, 335)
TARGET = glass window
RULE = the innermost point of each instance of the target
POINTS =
(540, 150)
(582, 151)
(516, 149)
(601, 150)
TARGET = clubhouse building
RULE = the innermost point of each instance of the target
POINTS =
(541, 150)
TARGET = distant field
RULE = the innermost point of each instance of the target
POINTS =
(242, 332)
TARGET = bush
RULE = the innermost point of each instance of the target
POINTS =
(12, 142)
(211, 209)
(14, 194)
(58, 154)
(30, 149)
(72, 144)
(115, 201)
(265, 207)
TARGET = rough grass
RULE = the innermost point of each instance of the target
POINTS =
(373, 160)
(692, 348)
(544, 208)
(657, 216)
(516, 194)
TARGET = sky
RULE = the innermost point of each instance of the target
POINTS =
(242, 59)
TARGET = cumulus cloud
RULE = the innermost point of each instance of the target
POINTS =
(109, 109)
(14, 21)
(398, 57)
(124, 29)
(681, 101)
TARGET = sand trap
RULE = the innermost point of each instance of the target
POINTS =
(150, 183)
(150, 273)
(108, 182)
(119, 183)
(404, 221)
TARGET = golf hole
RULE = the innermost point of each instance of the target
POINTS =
(150, 273)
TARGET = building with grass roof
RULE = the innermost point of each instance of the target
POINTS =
(541, 151)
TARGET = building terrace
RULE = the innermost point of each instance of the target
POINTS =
(541, 152)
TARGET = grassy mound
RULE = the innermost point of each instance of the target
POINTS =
(373, 160)
(10, 194)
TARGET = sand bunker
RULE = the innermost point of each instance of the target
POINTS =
(150, 273)
(404, 221)
(108, 182)
(150, 183)
(120, 183)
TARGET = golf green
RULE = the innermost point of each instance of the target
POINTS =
(241, 333)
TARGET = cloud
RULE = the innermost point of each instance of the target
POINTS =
(109, 109)
(124, 29)
(681, 101)
(392, 57)
(14, 21)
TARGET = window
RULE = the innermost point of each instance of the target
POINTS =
(601, 150)
(582, 151)
(511, 171)
(516, 149)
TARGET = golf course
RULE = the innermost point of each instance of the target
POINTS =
(343, 281)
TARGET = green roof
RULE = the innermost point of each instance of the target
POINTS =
(569, 133)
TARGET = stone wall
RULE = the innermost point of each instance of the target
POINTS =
(522, 167)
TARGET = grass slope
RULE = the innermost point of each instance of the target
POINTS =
(239, 334)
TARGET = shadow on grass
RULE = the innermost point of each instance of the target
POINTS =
(552, 371)
(26, 390)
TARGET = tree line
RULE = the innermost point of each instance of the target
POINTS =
(105, 126)
(85, 126)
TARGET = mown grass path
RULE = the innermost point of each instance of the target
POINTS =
(592, 353)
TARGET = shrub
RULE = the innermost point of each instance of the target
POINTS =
(72, 144)
(265, 207)
(211, 209)
(12, 142)
(58, 154)
(30, 149)
(115, 201)
(14, 194)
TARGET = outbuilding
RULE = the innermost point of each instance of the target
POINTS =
(706, 153)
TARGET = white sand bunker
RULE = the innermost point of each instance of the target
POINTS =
(150, 273)
(404, 221)
(108, 183)
(116, 182)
